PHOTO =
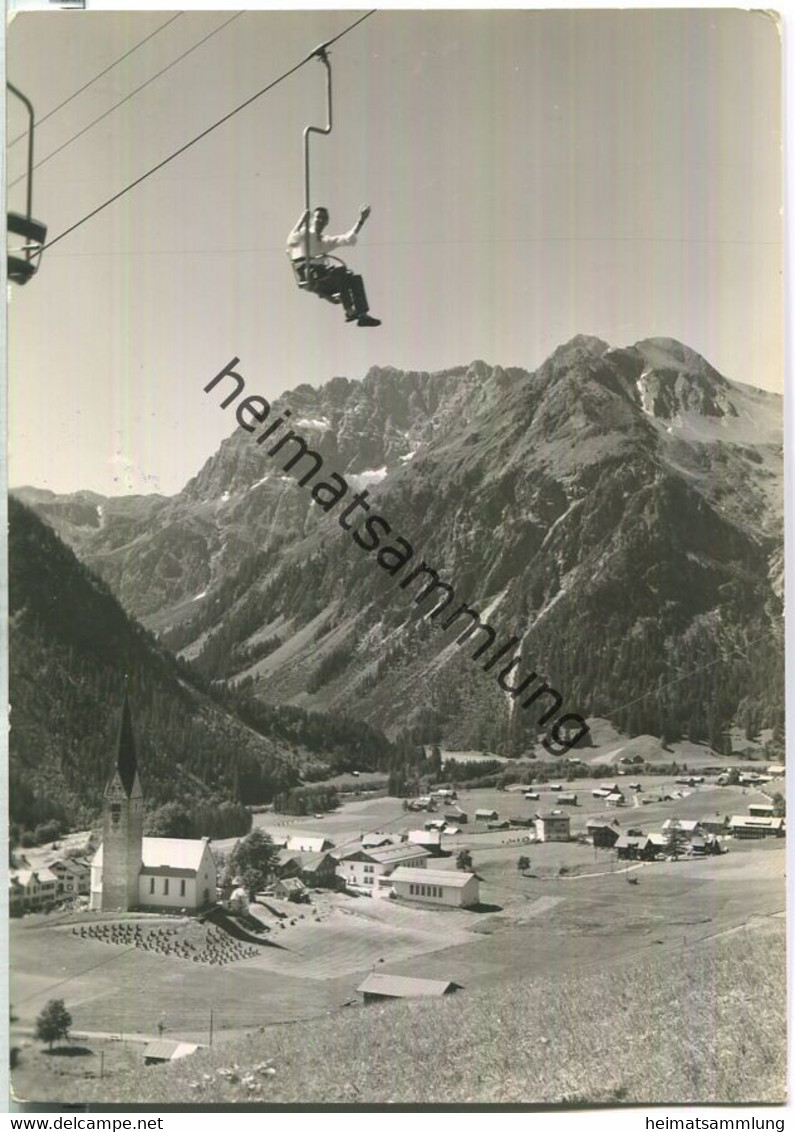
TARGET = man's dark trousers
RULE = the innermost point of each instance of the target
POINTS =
(339, 280)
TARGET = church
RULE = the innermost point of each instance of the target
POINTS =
(130, 871)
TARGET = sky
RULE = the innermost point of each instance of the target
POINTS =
(532, 175)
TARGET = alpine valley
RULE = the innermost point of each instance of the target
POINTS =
(619, 511)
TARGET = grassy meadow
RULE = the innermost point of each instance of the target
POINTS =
(703, 1023)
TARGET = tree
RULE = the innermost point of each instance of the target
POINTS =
(252, 860)
(675, 839)
(53, 1022)
(47, 831)
(169, 820)
(464, 860)
(779, 805)
(523, 864)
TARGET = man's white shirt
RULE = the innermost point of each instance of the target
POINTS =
(318, 245)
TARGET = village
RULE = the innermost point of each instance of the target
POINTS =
(381, 898)
(382, 863)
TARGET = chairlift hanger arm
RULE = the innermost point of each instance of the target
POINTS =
(320, 53)
(31, 121)
(20, 270)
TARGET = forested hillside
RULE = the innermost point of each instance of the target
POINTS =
(71, 648)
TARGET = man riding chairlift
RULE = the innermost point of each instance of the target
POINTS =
(330, 280)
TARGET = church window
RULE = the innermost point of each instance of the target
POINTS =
(182, 888)
(165, 887)
(151, 886)
(115, 813)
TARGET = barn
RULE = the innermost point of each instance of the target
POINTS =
(375, 988)
(155, 1053)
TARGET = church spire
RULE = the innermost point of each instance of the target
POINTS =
(126, 761)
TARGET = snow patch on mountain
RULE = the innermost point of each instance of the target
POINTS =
(370, 476)
(645, 394)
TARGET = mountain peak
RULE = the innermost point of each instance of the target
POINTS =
(670, 355)
(581, 344)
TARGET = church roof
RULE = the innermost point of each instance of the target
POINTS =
(168, 853)
(126, 762)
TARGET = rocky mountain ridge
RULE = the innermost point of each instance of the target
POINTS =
(618, 510)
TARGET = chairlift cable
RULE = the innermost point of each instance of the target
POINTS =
(208, 130)
(127, 97)
(96, 78)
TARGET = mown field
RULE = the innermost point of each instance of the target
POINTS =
(702, 1022)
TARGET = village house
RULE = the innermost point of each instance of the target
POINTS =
(16, 894)
(748, 828)
(615, 798)
(567, 799)
(74, 876)
(318, 870)
(553, 826)
(285, 888)
(457, 817)
(486, 815)
(376, 988)
(361, 868)
(635, 848)
(287, 864)
(687, 829)
(308, 843)
(435, 823)
(605, 788)
(31, 890)
(715, 824)
(760, 810)
(436, 886)
(430, 839)
(603, 834)
(131, 871)
(375, 840)
(703, 846)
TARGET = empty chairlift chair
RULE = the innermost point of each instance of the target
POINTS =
(24, 259)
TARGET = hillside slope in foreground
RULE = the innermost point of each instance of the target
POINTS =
(706, 1025)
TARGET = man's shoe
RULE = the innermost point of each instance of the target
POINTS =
(368, 320)
(351, 317)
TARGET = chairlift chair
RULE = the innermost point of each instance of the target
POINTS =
(302, 269)
(23, 262)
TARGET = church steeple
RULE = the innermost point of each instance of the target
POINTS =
(126, 761)
(122, 823)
